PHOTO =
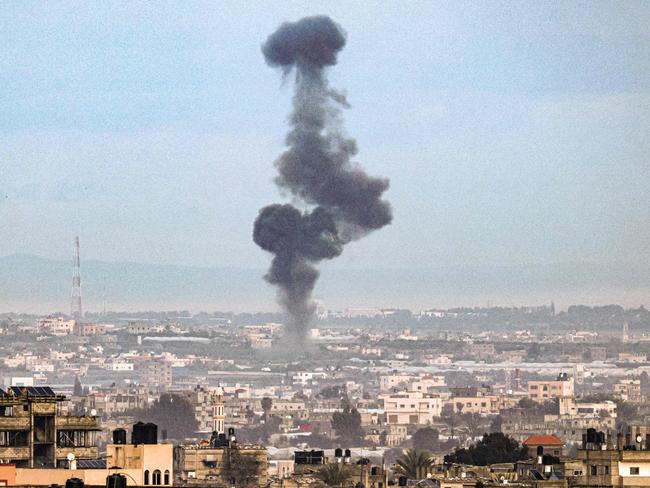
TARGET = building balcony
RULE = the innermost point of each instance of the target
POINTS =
(79, 452)
(14, 423)
(14, 453)
(77, 423)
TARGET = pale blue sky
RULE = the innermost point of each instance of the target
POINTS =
(512, 132)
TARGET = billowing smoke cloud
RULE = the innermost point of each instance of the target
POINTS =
(317, 169)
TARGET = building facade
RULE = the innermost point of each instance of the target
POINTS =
(33, 433)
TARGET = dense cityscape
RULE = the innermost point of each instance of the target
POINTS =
(529, 395)
(450, 295)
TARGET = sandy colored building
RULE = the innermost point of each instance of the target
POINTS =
(33, 433)
(544, 390)
(411, 407)
(230, 464)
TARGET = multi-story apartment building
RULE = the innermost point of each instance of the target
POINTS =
(411, 407)
(570, 407)
(83, 329)
(610, 463)
(209, 408)
(544, 390)
(628, 390)
(422, 382)
(136, 328)
(56, 326)
(481, 405)
(156, 373)
(632, 357)
(108, 401)
(33, 433)
(221, 464)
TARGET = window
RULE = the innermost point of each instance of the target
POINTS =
(594, 470)
(156, 477)
(634, 470)
(146, 476)
(606, 467)
(166, 479)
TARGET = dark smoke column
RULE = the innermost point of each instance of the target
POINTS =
(316, 168)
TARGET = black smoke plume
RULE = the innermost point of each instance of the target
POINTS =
(317, 169)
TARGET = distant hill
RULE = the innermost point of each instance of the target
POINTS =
(33, 284)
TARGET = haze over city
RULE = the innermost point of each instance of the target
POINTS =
(513, 136)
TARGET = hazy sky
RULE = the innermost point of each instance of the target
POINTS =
(512, 133)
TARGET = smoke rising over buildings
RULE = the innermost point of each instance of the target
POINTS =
(315, 168)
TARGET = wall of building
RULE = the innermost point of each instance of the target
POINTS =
(7, 474)
(47, 477)
(142, 458)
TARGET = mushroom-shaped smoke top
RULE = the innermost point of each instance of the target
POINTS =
(312, 42)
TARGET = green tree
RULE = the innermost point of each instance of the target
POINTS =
(334, 474)
(450, 418)
(473, 423)
(427, 439)
(172, 413)
(625, 413)
(493, 448)
(267, 404)
(527, 404)
(496, 424)
(331, 392)
(414, 464)
(347, 425)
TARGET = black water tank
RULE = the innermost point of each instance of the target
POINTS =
(338, 452)
(74, 483)
(402, 480)
(150, 433)
(137, 435)
(348, 453)
(116, 481)
(119, 436)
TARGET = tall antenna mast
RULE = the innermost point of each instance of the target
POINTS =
(75, 297)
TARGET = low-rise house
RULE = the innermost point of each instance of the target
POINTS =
(550, 444)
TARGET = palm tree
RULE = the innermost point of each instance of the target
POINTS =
(414, 464)
(333, 474)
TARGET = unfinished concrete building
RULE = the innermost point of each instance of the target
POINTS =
(33, 433)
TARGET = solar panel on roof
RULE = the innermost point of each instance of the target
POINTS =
(91, 463)
(537, 475)
(35, 391)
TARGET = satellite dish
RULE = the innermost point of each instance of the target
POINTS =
(93, 413)
(71, 456)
